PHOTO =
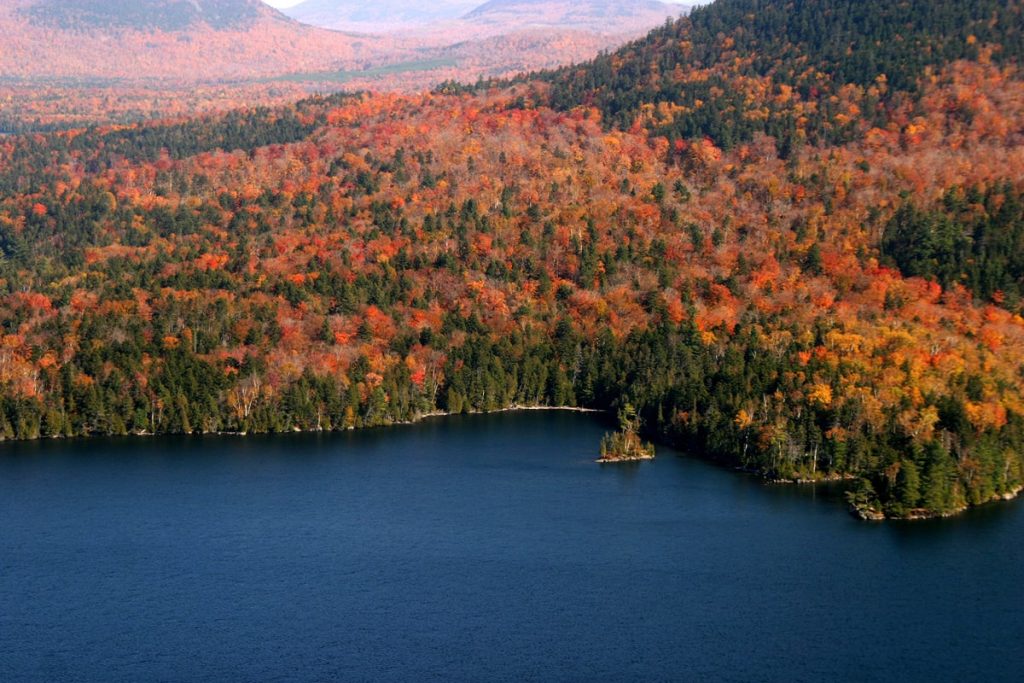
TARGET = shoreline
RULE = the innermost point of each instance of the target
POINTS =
(805, 481)
(863, 512)
(299, 430)
(616, 459)
(872, 514)
(415, 420)
(509, 409)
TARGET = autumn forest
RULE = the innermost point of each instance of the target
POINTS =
(789, 234)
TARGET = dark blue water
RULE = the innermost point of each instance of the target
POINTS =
(477, 548)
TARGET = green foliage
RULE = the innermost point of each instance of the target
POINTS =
(625, 444)
(973, 237)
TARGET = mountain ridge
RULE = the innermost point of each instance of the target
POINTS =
(384, 16)
(175, 40)
(163, 15)
(599, 8)
(471, 20)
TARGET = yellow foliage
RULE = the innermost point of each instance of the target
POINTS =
(821, 395)
(743, 419)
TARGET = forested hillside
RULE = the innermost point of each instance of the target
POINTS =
(799, 70)
(162, 15)
(841, 302)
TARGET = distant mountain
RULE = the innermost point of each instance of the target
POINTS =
(606, 16)
(162, 15)
(461, 20)
(181, 40)
(187, 41)
(496, 38)
(383, 16)
(124, 59)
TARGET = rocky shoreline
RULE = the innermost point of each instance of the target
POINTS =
(872, 514)
(624, 458)
(509, 409)
(822, 479)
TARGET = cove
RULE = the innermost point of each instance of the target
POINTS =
(487, 547)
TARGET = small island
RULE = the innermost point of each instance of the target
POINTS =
(626, 445)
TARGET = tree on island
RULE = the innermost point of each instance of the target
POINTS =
(626, 443)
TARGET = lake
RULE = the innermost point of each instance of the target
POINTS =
(486, 547)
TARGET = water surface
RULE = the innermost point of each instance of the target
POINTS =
(477, 548)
